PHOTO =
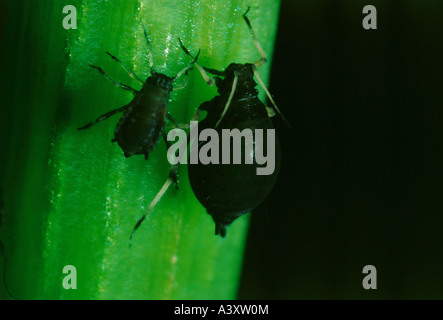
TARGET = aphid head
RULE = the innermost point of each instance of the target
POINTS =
(245, 71)
(245, 79)
(160, 80)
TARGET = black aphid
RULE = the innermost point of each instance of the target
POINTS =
(229, 191)
(144, 118)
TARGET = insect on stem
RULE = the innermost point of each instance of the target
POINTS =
(152, 205)
(209, 81)
(238, 105)
(162, 191)
(185, 70)
(144, 118)
(264, 57)
(270, 97)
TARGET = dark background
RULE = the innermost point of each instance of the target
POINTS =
(361, 181)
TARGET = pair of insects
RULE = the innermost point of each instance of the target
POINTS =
(226, 191)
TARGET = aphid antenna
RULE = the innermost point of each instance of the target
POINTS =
(148, 43)
(270, 97)
(185, 70)
(264, 57)
(260, 62)
(231, 95)
(126, 68)
(216, 72)
(115, 83)
(209, 81)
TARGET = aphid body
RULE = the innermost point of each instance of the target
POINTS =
(144, 118)
(229, 191)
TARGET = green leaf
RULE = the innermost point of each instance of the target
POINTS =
(70, 197)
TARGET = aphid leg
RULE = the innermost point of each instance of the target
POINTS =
(264, 57)
(182, 86)
(270, 111)
(174, 167)
(231, 95)
(151, 206)
(191, 65)
(127, 69)
(103, 117)
(148, 43)
(186, 74)
(197, 115)
(216, 72)
(269, 96)
(172, 178)
(176, 123)
(205, 76)
(115, 83)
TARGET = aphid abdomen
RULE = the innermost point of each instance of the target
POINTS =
(227, 191)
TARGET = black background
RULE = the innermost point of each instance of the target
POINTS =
(361, 179)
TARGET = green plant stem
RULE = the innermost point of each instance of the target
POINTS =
(71, 198)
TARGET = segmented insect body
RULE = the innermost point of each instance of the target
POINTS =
(229, 191)
(144, 118)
